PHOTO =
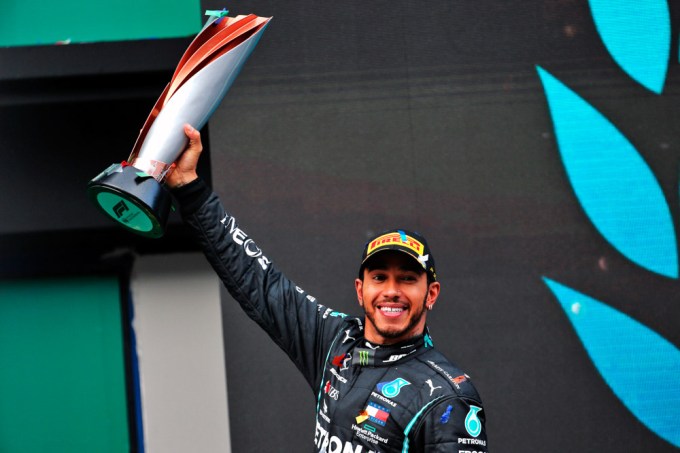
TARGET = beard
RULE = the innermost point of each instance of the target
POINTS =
(415, 315)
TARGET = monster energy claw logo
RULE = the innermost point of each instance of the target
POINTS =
(363, 357)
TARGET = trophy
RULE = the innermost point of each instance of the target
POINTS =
(132, 192)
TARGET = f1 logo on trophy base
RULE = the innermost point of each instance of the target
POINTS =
(132, 192)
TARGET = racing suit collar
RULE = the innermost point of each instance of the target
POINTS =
(388, 355)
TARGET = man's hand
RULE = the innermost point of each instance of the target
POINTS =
(185, 167)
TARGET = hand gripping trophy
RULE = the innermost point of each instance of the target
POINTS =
(132, 192)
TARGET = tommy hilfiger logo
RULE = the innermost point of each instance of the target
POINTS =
(375, 413)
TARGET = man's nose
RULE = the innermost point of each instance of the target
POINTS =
(392, 289)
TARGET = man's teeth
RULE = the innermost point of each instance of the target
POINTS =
(392, 309)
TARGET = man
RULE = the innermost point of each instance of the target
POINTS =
(380, 385)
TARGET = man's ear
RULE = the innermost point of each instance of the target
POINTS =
(432, 294)
(358, 286)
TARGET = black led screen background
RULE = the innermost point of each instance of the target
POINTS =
(353, 117)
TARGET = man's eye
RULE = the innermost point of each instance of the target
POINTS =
(379, 277)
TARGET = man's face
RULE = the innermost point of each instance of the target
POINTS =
(394, 294)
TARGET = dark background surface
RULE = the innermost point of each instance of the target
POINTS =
(352, 117)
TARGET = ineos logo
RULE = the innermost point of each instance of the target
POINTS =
(242, 239)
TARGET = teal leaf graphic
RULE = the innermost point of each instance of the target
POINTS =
(616, 188)
(641, 367)
(637, 34)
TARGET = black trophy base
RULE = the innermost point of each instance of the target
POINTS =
(132, 198)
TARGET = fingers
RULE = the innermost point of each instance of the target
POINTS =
(185, 167)
(194, 137)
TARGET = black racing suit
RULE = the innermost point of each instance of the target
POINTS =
(370, 398)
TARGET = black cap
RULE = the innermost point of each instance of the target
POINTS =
(405, 241)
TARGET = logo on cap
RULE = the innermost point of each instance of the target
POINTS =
(396, 239)
(404, 241)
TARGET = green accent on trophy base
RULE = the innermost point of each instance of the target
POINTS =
(142, 205)
(125, 211)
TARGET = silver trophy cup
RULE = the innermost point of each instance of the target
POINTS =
(132, 192)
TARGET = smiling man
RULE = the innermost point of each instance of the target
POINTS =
(394, 288)
(379, 383)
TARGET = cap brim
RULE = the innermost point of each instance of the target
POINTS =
(392, 248)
